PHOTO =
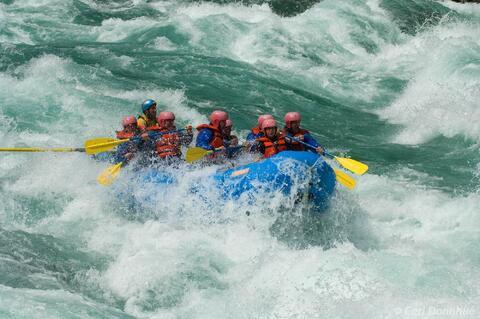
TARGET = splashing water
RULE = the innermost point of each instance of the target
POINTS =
(393, 84)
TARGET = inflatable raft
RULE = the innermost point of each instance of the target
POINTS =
(304, 175)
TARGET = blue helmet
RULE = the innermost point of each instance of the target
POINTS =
(148, 104)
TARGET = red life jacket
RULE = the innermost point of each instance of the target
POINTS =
(168, 145)
(217, 140)
(121, 135)
(256, 130)
(272, 148)
(155, 127)
(295, 146)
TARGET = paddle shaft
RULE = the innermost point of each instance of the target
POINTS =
(341, 177)
(38, 149)
(309, 145)
(154, 135)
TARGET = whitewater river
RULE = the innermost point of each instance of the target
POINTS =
(394, 84)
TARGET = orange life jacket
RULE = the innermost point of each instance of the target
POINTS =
(121, 135)
(155, 127)
(217, 140)
(256, 130)
(272, 148)
(168, 145)
(295, 146)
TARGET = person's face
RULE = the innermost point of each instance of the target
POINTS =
(227, 130)
(152, 112)
(131, 128)
(270, 132)
(221, 125)
(168, 123)
(294, 126)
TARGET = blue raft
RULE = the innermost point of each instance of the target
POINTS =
(304, 173)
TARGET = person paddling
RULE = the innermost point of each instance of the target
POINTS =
(148, 118)
(229, 140)
(210, 135)
(272, 142)
(168, 146)
(126, 151)
(256, 131)
(292, 129)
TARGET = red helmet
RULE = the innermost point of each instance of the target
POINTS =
(228, 123)
(218, 116)
(268, 123)
(264, 117)
(127, 120)
(292, 117)
(165, 116)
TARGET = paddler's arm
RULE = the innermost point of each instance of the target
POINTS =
(307, 138)
(187, 137)
(232, 151)
(124, 153)
(251, 138)
(203, 139)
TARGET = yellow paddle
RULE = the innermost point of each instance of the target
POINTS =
(38, 149)
(196, 153)
(350, 164)
(344, 179)
(103, 144)
(108, 176)
(341, 177)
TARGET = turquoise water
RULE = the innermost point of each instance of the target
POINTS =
(395, 84)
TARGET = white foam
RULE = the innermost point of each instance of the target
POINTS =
(444, 90)
(419, 244)
(30, 303)
(115, 30)
(294, 46)
(171, 100)
(245, 271)
(164, 44)
(252, 14)
(464, 8)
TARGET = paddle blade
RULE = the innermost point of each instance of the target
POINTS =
(352, 165)
(344, 179)
(195, 153)
(108, 176)
(38, 149)
(103, 144)
(99, 141)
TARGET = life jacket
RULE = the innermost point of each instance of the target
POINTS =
(121, 135)
(272, 148)
(256, 130)
(155, 128)
(143, 122)
(293, 145)
(168, 145)
(217, 140)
